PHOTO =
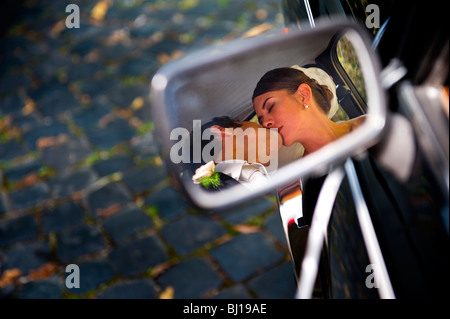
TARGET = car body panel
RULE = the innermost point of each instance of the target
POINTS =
(403, 181)
(410, 216)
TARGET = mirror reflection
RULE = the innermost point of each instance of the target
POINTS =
(291, 100)
(249, 116)
(237, 152)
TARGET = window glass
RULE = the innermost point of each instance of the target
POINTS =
(349, 61)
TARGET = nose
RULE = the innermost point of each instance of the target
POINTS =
(267, 123)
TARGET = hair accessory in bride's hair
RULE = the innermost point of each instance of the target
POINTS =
(322, 78)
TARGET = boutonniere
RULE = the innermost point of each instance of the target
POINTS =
(207, 176)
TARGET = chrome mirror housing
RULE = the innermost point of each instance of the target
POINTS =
(219, 81)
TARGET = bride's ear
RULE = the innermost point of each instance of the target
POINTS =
(304, 90)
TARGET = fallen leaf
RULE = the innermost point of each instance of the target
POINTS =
(99, 11)
(106, 119)
(47, 141)
(117, 36)
(109, 211)
(29, 107)
(43, 272)
(259, 29)
(28, 180)
(246, 229)
(58, 28)
(163, 57)
(137, 103)
(223, 240)
(76, 196)
(158, 270)
(168, 293)
(5, 123)
(9, 276)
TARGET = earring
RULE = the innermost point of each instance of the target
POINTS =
(306, 106)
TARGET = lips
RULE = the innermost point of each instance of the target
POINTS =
(279, 132)
(278, 129)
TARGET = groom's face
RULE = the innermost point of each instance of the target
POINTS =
(250, 142)
(255, 143)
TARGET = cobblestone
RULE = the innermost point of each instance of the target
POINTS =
(19, 172)
(50, 130)
(191, 233)
(78, 242)
(136, 289)
(272, 223)
(41, 289)
(119, 163)
(29, 196)
(10, 150)
(2, 205)
(65, 185)
(236, 292)
(124, 96)
(184, 278)
(110, 135)
(167, 202)
(245, 212)
(281, 282)
(61, 156)
(108, 196)
(94, 273)
(242, 257)
(82, 180)
(26, 122)
(122, 225)
(17, 229)
(62, 217)
(137, 256)
(89, 117)
(141, 179)
(28, 257)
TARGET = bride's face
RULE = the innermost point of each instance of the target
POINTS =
(281, 110)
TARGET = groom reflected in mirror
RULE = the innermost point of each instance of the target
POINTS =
(235, 152)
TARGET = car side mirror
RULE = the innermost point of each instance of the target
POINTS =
(220, 80)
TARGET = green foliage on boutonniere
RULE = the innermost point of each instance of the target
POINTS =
(210, 181)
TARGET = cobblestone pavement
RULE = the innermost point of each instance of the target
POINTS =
(81, 178)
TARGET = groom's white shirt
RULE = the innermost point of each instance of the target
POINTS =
(244, 172)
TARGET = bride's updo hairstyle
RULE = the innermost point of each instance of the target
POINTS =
(289, 79)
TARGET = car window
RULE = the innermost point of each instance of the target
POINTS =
(349, 62)
(373, 14)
